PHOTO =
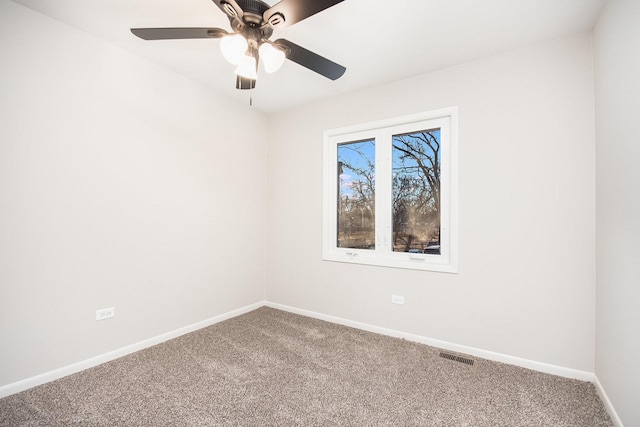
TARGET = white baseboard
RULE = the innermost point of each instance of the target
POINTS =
(617, 422)
(46, 377)
(497, 357)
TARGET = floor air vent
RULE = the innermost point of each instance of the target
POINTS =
(457, 358)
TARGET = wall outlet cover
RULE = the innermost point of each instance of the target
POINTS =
(397, 299)
(105, 313)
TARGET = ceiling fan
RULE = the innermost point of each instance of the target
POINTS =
(253, 23)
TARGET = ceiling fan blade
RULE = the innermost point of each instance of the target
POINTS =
(311, 60)
(296, 10)
(178, 33)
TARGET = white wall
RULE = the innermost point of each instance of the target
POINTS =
(617, 72)
(115, 193)
(526, 284)
(121, 184)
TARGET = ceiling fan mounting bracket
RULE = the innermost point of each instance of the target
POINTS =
(251, 11)
(215, 32)
(276, 20)
(229, 9)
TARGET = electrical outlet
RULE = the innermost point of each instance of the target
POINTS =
(397, 299)
(105, 313)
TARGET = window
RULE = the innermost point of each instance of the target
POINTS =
(390, 192)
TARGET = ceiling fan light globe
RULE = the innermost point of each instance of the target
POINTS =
(233, 48)
(272, 57)
(247, 68)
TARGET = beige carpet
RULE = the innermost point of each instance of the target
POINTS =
(272, 368)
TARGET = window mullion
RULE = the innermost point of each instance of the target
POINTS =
(383, 192)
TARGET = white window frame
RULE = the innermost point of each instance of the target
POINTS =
(383, 130)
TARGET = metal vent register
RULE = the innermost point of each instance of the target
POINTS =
(457, 358)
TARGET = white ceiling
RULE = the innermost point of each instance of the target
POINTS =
(378, 42)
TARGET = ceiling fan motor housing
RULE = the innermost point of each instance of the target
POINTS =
(252, 11)
(251, 24)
